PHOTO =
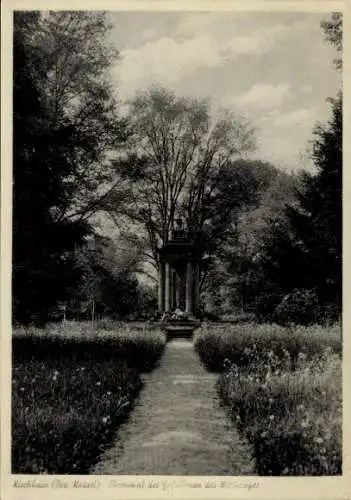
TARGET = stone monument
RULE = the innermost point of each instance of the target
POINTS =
(179, 276)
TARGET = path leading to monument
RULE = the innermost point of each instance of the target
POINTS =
(177, 426)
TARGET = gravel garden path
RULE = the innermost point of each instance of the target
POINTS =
(177, 426)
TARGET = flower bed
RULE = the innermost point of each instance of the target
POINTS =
(242, 344)
(70, 393)
(283, 392)
(176, 316)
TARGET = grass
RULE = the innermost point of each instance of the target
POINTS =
(282, 388)
(72, 386)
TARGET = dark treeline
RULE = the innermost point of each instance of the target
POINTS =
(272, 240)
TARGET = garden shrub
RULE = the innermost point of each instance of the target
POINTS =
(265, 304)
(139, 347)
(298, 307)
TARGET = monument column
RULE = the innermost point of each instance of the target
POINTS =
(173, 290)
(161, 287)
(177, 290)
(182, 288)
(196, 287)
(167, 287)
(189, 288)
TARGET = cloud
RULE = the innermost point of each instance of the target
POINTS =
(287, 136)
(260, 42)
(166, 61)
(269, 115)
(197, 42)
(303, 117)
(264, 96)
(227, 31)
(280, 85)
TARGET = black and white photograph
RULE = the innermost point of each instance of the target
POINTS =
(176, 244)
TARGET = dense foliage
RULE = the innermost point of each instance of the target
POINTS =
(107, 287)
(317, 221)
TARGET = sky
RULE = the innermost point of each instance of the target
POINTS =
(275, 68)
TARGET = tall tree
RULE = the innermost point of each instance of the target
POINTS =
(107, 282)
(57, 155)
(304, 251)
(80, 99)
(181, 161)
(317, 221)
(243, 267)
